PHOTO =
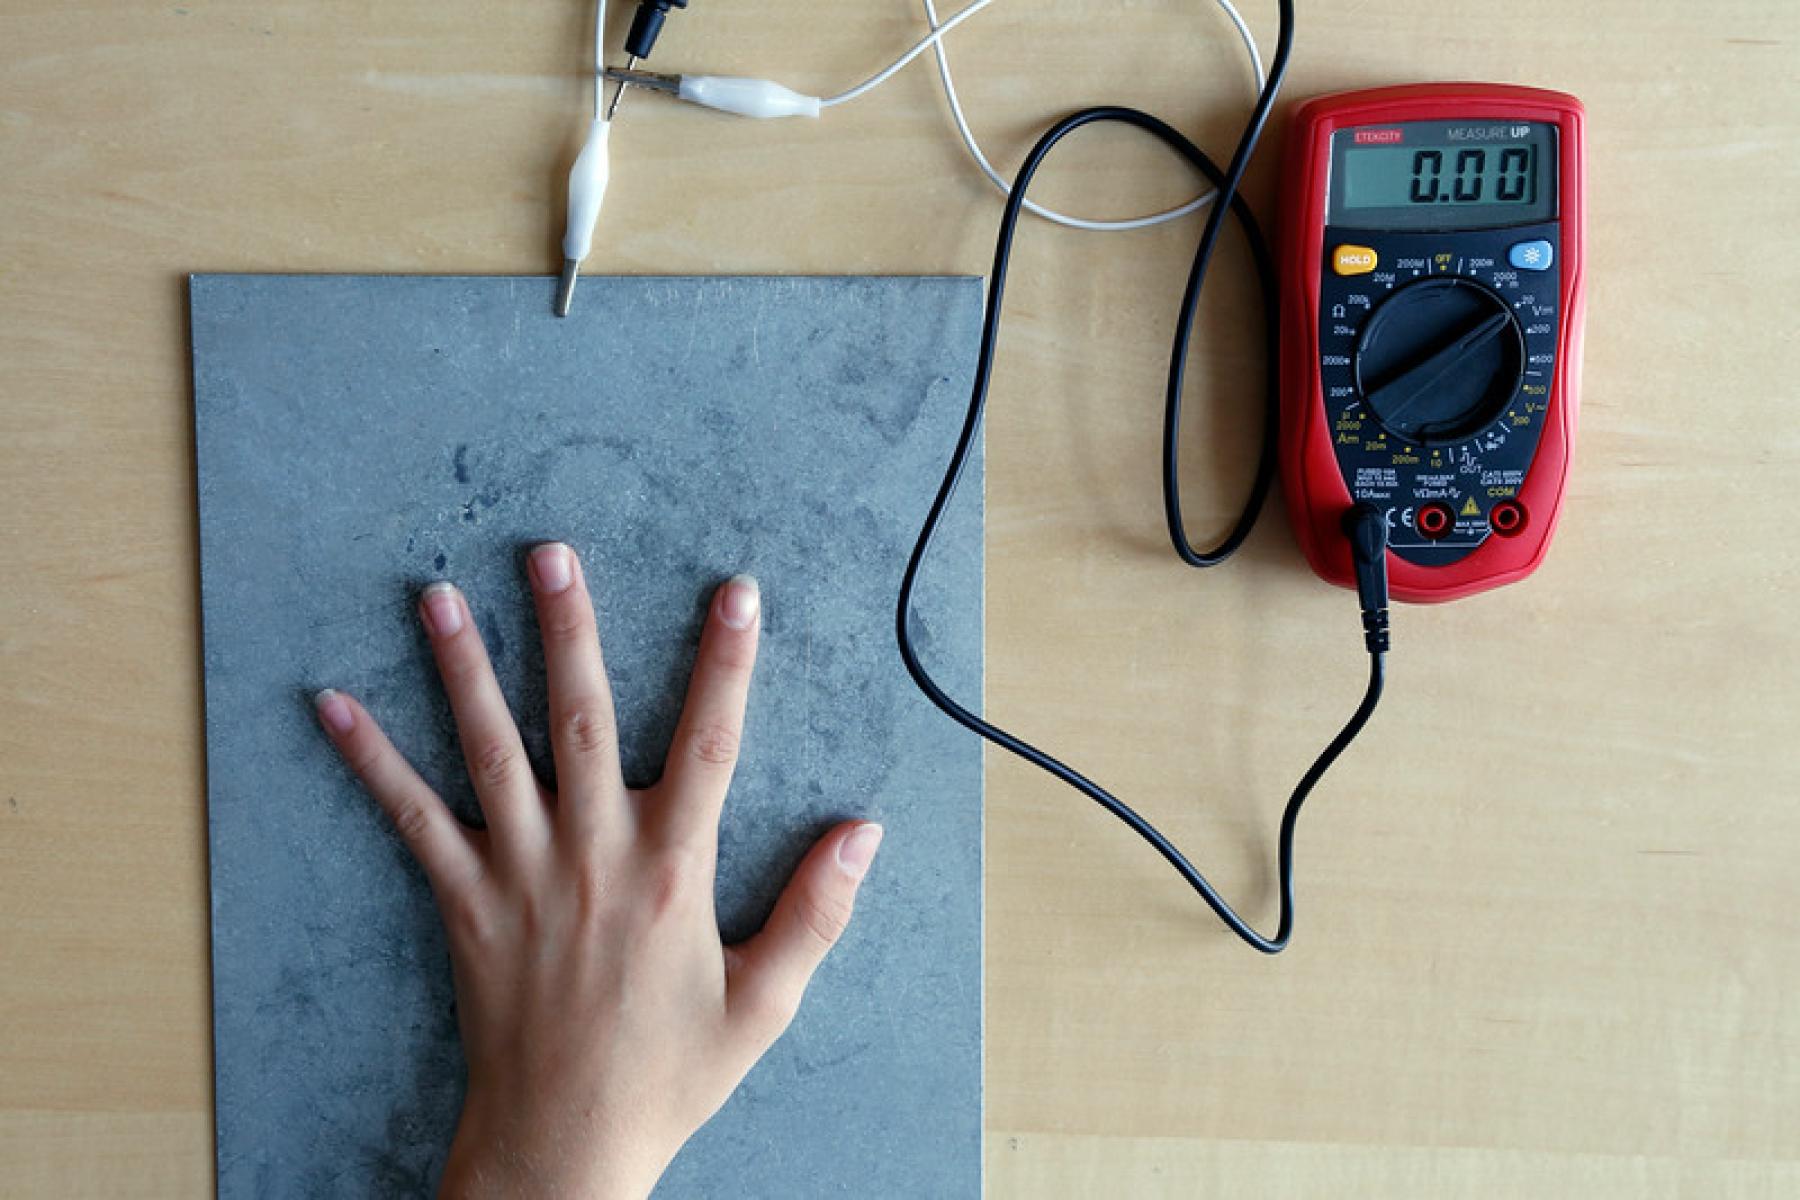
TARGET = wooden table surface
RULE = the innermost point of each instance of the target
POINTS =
(1550, 914)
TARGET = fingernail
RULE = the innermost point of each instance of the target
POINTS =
(737, 607)
(334, 710)
(552, 566)
(857, 851)
(443, 611)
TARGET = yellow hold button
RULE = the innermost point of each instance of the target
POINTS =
(1353, 260)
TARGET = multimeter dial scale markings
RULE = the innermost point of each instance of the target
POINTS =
(1436, 365)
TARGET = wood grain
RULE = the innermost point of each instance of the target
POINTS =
(1548, 940)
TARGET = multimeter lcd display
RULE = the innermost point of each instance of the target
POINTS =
(1382, 177)
(1443, 175)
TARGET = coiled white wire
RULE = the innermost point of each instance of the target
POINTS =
(934, 39)
(1050, 214)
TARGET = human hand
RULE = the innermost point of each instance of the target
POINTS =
(603, 1020)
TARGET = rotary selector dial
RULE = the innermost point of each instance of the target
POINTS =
(1439, 360)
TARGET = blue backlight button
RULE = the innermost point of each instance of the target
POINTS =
(1532, 256)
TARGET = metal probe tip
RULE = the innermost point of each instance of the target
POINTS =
(565, 288)
(630, 62)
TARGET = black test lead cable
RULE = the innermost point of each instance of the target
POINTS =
(1365, 526)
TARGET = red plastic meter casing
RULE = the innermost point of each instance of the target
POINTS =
(1489, 481)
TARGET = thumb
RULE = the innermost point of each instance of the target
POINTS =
(772, 969)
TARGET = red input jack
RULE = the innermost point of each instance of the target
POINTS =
(1435, 521)
(1508, 518)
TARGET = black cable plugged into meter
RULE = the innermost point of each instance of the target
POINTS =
(1364, 525)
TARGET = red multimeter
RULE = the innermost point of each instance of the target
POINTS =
(1431, 243)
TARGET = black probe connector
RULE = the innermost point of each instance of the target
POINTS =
(1366, 527)
(647, 23)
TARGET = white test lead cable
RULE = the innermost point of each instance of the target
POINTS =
(588, 177)
(764, 98)
(933, 39)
